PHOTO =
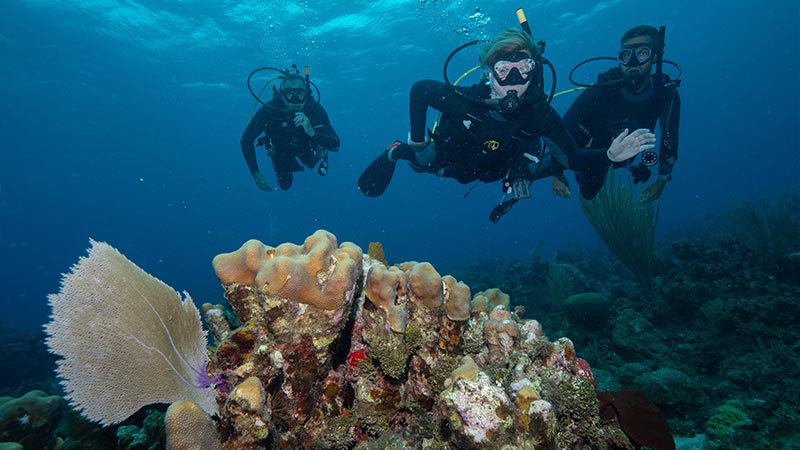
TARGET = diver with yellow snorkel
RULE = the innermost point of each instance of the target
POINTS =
(295, 127)
(490, 131)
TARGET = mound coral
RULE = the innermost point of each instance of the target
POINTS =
(31, 420)
(588, 311)
(317, 273)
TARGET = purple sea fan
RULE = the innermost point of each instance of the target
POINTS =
(127, 339)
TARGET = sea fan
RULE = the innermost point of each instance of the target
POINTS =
(127, 339)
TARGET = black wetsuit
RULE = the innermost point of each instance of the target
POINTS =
(288, 142)
(600, 113)
(476, 142)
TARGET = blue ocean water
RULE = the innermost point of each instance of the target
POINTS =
(121, 123)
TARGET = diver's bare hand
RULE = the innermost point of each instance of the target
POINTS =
(261, 181)
(560, 186)
(626, 146)
(301, 120)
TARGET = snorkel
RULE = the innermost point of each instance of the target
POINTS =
(662, 31)
(523, 23)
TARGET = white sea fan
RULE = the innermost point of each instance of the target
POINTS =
(126, 338)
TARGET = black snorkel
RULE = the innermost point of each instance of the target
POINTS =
(523, 23)
(662, 31)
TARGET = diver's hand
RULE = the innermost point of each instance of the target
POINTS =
(626, 146)
(654, 191)
(301, 120)
(560, 186)
(261, 181)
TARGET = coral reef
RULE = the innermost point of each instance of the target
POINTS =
(718, 322)
(356, 354)
(406, 357)
(330, 349)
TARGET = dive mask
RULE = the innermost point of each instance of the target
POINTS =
(515, 68)
(294, 95)
(634, 56)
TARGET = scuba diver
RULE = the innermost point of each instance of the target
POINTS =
(627, 96)
(295, 127)
(490, 131)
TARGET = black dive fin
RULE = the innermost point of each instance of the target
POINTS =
(501, 209)
(377, 176)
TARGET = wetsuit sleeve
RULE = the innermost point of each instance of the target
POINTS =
(670, 121)
(325, 136)
(580, 109)
(564, 148)
(254, 128)
(424, 94)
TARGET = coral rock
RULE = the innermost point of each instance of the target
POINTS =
(477, 408)
(584, 370)
(217, 323)
(248, 411)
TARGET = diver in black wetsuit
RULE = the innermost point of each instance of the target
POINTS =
(490, 131)
(629, 96)
(295, 126)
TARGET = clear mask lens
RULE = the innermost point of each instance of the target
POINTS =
(634, 56)
(503, 68)
(294, 95)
